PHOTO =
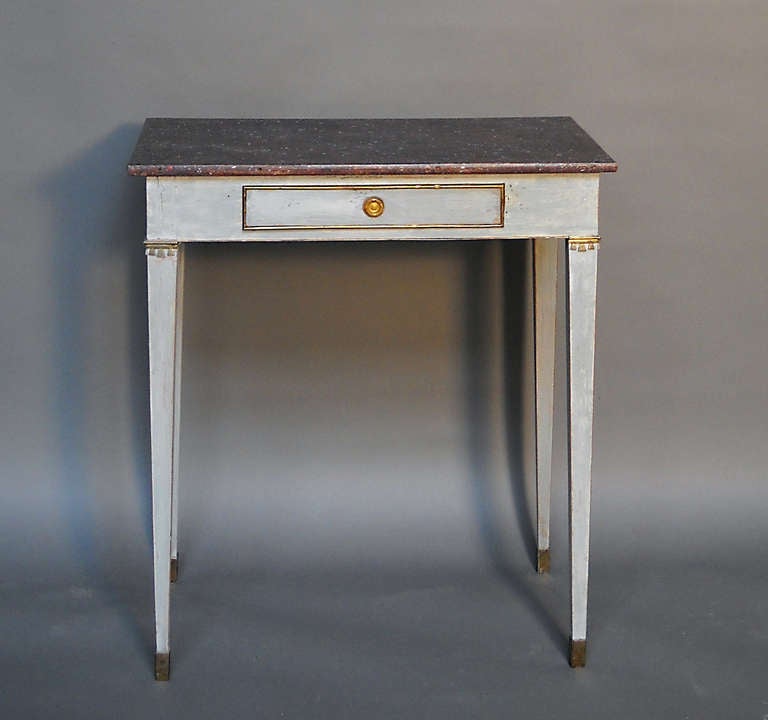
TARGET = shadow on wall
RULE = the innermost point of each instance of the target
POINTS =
(479, 273)
(99, 212)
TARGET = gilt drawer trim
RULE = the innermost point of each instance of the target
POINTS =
(372, 189)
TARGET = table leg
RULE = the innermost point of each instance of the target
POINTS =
(179, 329)
(162, 277)
(545, 252)
(581, 296)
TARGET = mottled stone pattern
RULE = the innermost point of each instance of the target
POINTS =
(197, 146)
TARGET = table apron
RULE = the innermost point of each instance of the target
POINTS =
(213, 209)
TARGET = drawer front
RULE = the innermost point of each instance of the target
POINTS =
(328, 207)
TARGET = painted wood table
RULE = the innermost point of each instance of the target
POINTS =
(252, 180)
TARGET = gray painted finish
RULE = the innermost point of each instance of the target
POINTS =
(473, 204)
(181, 210)
(162, 277)
(178, 344)
(545, 253)
(581, 298)
(210, 209)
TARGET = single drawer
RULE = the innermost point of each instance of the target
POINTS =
(348, 207)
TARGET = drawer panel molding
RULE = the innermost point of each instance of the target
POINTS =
(397, 206)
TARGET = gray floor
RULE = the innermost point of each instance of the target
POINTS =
(683, 639)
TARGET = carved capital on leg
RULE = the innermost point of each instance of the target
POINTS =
(161, 249)
(582, 244)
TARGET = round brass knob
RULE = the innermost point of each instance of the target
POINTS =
(373, 206)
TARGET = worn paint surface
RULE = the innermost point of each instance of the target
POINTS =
(212, 209)
(580, 314)
(545, 310)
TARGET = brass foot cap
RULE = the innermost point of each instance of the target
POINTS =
(162, 666)
(174, 569)
(577, 654)
(542, 561)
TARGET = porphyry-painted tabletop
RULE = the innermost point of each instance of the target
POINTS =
(205, 146)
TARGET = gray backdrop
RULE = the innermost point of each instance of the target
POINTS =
(356, 535)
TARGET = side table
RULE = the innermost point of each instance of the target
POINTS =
(257, 180)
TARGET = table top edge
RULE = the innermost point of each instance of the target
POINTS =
(365, 146)
(197, 170)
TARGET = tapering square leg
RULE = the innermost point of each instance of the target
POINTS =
(581, 299)
(179, 329)
(545, 251)
(162, 279)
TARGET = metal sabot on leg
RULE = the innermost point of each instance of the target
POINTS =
(577, 653)
(162, 666)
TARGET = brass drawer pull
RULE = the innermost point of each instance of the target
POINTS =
(373, 206)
